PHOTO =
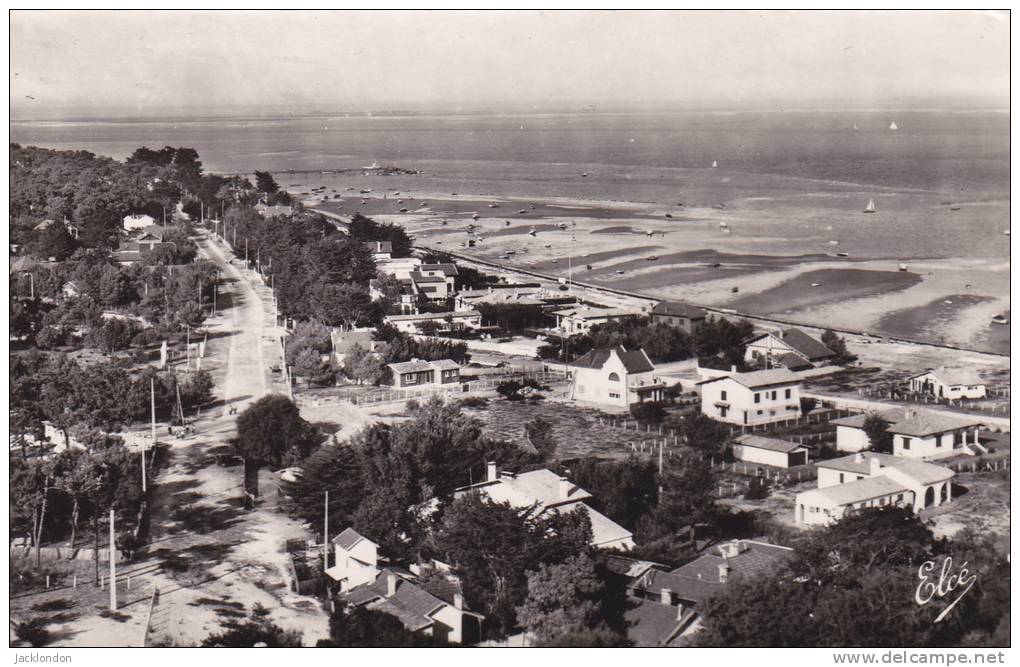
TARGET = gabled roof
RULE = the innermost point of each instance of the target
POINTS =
(380, 247)
(678, 309)
(953, 377)
(347, 539)
(913, 422)
(595, 313)
(444, 364)
(771, 444)
(410, 603)
(920, 472)
(756, 379)
(752, 559)
(343, 341)
(634, 361)
(538, 486)
(651, 624)
(402, 367)
(854, 492)
(805, 345)
(793, 362)
(447, 268)
(859, 463)
(419, 277)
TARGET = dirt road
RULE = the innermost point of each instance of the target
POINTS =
(216, 560)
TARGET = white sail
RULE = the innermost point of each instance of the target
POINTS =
(855, 127)
(714, 164)
(892, 126)
(870, 208)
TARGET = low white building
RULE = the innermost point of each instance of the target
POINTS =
(417, 373)
(355, 560)
(137, 222)
(916, 433)
(769, 451)
(778, 345)
(951, 383)
(615, 376)
(398, 267)
(582, 318)
(466, 319)
(544, 491)
(381, 250)
(758, 397)
(869, 479)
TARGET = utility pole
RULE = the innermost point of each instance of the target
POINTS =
(152, 397)
(246, 252)
(214, 299)
(113, 565)
(187, 347)
(325, 534)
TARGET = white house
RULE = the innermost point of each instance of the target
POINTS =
(758, 397)
(917, 433)
(582, 318)
(137, 221)
(398, 267)
(421, 607)
(465, 319)
(869, 479)
(545, 491)
(418, 373)
(615, 376)
(951, 383)
(433, 287)
(769, 451)
(381, 250)
(778, 345)
(344, 341)
(356, 560)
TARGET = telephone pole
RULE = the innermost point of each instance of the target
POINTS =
(113, 565)
(325, 534)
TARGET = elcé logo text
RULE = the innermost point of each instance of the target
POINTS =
(942, 582)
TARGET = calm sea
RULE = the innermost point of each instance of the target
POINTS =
(951, 152)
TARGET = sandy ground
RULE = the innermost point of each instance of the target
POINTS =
(779, 245)
(217, 559)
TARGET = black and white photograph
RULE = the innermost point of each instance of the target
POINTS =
(492, 328)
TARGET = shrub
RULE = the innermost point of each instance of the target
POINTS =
(648, 412)
(758, 489)
(33, 631)
(474, 402)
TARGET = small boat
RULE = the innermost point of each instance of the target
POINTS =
(532, 231)
(522, 211)
(842, 254)
(715, 265)
(893, 126)
(1006, 232)
(493, 205)
(556, 261)
(445, 223)
(734, 289)
(816, 284)
(948, 302)
(588, 267)
(903, 267)
(954, 208)
(403, 210)
(400, 201)
(833, 242)
(723, 224)
(507, 223)
(649, 233)
(652, 258)
(870, 208)
(669, 215)
(511, 252)
(714, 164)
(374, 165)
(547, 245)
(474, 216)
(1000, 319)
(855, 127)
(366, 191)
(563, 225)
(620, 271)
(584, 174)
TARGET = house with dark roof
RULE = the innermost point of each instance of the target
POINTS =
(777, 345)
(615, 376)
(872, 479)
(543, 491)
(680, 315)
(581, 319)
(917, 433)
(751, 448)
(419, 373)
(381, 250)
(396, 593)
(951, 383)
(666, 604)
(356, 560)
(758, 397)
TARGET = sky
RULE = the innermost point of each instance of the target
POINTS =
(75, 63)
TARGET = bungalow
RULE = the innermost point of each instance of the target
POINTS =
(398, 267)
(275, 211)
(137, 222)
(583, 318)
(70, 290)
(917, 434)
(666, 611)
(432, 287)
(769, 451)
(446, 271)
(870, 479)
(418, 606)
(418, 373)
(345, 341)
(615, 376)
(464, 319)
(758, 397)
(681, 315)
(542, 492)
(951, 383)
(356, 560)
(381, 250)
(774, 346)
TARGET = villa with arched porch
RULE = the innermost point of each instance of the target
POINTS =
(870, 479)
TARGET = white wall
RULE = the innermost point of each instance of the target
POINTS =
(850, 439)
(830, 477)
(741, 400)
(925, 448)
(764, 456)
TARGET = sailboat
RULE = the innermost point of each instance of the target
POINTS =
(892, 126)
(870, 208)
(714, 164)
(855, 127)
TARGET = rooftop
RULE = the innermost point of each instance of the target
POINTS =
(678, 309)
(538, 486)
(756, 379)
(853, 492)
(914, 422)
(859, 463)
(416, 366)
(347, 539)
(793, 362)
(635, 361)
(771, 444)
(595, 313)
(954, 376)
(380, 246)
(419, 277)
(447, 268)
(651, 624)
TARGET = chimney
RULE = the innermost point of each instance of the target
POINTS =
(874, 465)
(666, 596)
(491, 471)
(724, 572)
(680, 611)
(733, 368)
(859, 457)
(565, 488)
(458, 600)
(391, 585)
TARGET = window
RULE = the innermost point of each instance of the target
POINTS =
(906, 443)
(613, 394)
(757, 398)
(938, 441)
(723, 410)
(759, 412)
(613, 377)
(774, 393)
(411, 379)
(882, 501)
(840, 478)
(789, 392)
(899, 498)
(722, 395)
